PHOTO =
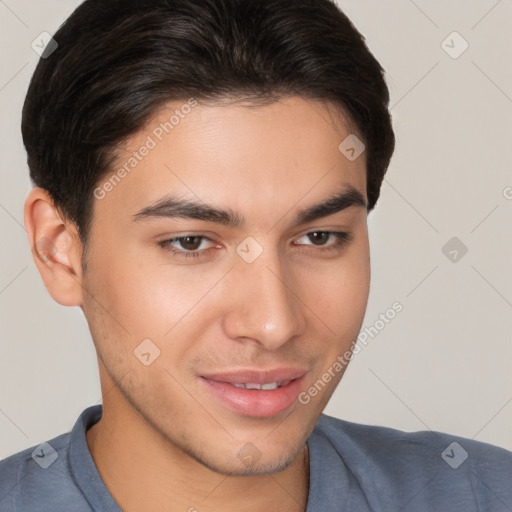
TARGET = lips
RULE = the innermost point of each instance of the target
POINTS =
(256, 393)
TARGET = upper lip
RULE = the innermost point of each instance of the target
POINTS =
(256, 376)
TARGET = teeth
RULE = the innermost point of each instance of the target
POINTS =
(266, 387)
(250, 385)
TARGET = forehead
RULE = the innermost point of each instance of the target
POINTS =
(236, 155)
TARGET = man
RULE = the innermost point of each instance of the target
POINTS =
(204, 171)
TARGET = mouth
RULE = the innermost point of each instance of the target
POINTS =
(256, 393)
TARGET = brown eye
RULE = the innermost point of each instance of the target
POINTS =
(325, 241)
(319, 237)
(188, 246)
(190, 243)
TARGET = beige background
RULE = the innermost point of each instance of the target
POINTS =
(442, 363)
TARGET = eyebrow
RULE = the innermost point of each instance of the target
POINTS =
(174, 207)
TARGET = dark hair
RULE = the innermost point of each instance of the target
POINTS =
(118, 61)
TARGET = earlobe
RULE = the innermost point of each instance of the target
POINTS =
(56, 248)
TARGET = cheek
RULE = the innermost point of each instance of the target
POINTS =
(145, 294)
(338, 293)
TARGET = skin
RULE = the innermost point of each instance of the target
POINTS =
(296, 305)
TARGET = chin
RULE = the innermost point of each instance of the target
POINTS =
(248, 461)
(237, 468)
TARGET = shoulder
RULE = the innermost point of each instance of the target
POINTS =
(388, 442)
(41, 477)
(438, 466)
(34, 472)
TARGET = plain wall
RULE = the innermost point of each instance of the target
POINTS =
(444, 361)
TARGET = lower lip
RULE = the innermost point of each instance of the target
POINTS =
(257, 403)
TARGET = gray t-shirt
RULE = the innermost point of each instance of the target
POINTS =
(353, 468)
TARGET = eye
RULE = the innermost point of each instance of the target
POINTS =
(188, 246)
(326, 240)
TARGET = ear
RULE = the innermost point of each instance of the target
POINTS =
(56, 248)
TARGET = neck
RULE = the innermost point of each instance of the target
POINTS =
(144, 471)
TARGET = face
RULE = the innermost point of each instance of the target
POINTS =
(232, 256)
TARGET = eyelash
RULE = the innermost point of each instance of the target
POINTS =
(342, 238)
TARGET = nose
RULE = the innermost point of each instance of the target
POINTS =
(263, 306)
